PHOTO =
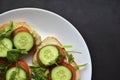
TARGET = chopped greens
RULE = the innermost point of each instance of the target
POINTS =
(81, 65)
(39, 73)
(7, 31)
(74, 52)
(3, 69)
(13, 55)
(21, 51)
(66, 46)
(70, 58)
(35, 63)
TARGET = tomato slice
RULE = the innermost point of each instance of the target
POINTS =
(22, 28)
(21, 63)
(71, 68)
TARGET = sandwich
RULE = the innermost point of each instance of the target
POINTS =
(18, 35)
(51, 55)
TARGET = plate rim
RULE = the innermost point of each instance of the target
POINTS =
(59, 16)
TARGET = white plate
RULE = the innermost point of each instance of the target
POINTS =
(49, 23)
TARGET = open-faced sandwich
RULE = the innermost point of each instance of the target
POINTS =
(51, 61)
(53, 56)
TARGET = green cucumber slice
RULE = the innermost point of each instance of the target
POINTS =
(48, 55)
(61, 73)
(23, 40)
(5, 45)
(16, 73)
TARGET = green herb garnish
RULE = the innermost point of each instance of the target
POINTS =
(20, 51)
(3, 68)
(35, 63)
(81, 65)
(13, 55)
(7, 31)
(39, 73)
(70, 58)
(74, 52)
(66, 46)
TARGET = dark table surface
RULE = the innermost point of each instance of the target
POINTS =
(97, 20)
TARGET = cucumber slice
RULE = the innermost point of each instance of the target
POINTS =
(16, 73)
(48, 55)
(23, 40)
(61, 73)
(5, 45)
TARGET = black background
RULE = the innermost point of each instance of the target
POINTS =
(97, 20)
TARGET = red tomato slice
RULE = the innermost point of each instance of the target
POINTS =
(21, 63)
(71, 68)
(22, 28)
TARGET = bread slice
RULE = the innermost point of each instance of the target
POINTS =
(36, 36)
(54, 41)
(32, 31)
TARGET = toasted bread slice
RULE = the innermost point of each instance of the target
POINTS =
(54, 41)
(36, 36)
(32, 31)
